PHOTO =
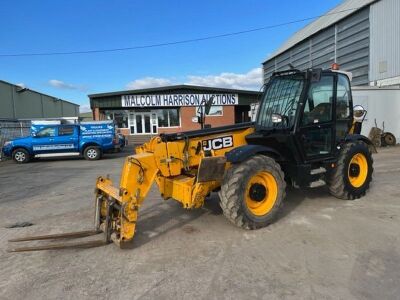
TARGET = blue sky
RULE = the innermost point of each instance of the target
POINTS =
(74, 25)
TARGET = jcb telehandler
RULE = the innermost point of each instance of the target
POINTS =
(303, 136)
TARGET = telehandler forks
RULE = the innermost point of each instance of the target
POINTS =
(58, 236)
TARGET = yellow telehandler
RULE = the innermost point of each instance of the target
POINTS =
(303, 136)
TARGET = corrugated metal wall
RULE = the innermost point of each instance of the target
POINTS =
(385, 40)
(30, 104)
(347, 43)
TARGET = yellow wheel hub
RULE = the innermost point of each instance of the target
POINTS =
(261, 193)
(358, 170)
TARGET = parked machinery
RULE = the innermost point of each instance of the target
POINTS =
(302, 136)
(381, 138)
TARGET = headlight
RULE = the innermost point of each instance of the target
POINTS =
(7, 143)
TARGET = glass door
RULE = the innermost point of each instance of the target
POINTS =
(154, 123)
(316, 127)
(143, 123)
(132, 123)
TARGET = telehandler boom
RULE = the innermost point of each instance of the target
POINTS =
(303, 136)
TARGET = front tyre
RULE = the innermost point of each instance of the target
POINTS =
(92, 153)
(252, 192)
(353, 172)
(21, 156)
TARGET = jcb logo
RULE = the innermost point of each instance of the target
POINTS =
(218, 143)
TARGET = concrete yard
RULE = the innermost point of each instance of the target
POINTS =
(320, 248)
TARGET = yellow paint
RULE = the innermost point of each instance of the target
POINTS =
(173, 166)
(360, 160)
(263, 207)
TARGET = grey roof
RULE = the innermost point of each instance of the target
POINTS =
(175, 87)
(33, 91)
(333, 16)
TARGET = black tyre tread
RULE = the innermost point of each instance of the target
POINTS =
(230, 201)
(337, 181)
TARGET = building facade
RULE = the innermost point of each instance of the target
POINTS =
(18, 103)
(146, 112)
(362, 36)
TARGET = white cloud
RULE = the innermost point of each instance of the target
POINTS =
(148, 82)
(84, 108)
(66, 86)
(252, 80)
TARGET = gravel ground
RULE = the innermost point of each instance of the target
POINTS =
(320, 248)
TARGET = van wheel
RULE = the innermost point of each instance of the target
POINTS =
(92, 153)
(21, 156)
(252, 192)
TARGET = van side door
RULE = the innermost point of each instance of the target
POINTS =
(68, 138)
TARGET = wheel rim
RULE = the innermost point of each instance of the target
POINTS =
(261, 193)
(20, 156)
(358, 170)
(91, 153)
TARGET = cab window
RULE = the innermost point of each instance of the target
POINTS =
(318, 106)
(65, 130)
(343, 98)
(47, 132)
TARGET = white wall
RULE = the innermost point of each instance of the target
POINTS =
(382, 105)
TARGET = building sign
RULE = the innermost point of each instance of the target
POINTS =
(177, 100)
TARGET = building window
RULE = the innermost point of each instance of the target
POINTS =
(119, 116)
(168, 117)
(162, 115)
(215, 111)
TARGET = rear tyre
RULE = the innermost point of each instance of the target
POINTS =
(21, 156)
(353, 173)
(252, 192)
(92, 153)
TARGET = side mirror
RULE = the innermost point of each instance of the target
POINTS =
(359, 113)
(33, 134)
(276, 118)
(207, 106)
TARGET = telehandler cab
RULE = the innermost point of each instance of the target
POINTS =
(303, 136)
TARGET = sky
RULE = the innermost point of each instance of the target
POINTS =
(36, 26)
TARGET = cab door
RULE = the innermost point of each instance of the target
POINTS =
(43, 141)
(316, 128)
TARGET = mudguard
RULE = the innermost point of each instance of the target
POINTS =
(360, 137)
(244, 152)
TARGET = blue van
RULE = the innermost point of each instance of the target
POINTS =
(87, 139)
